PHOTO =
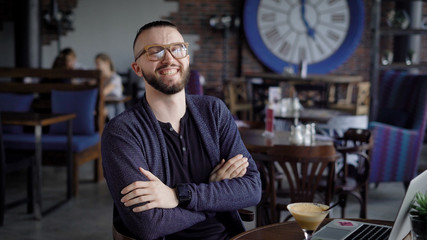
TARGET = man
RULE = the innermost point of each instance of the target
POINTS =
(163, 158)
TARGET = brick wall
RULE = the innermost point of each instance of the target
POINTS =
(193, 18)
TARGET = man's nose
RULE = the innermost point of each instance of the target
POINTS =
(168, 56)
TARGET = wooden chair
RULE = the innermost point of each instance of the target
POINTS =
(311, 94)
(12, 163)
(85, 153)
(360, 106)
(353, 179)
(304, 167)
(263, 216)
(237, 99)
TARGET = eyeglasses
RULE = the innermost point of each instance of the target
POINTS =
(157, 52)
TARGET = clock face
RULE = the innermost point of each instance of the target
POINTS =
(324, 33)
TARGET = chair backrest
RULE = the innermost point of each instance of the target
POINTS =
(399, 128)
(305, 167)
(236, 91)
(54, 77)
(356, 136)
(357, 142)
(403, 100)
(363, 98)
(262, 216)
(237, 98)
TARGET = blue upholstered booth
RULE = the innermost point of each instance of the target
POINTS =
(10, 102)
(82, 103)
(55, 96)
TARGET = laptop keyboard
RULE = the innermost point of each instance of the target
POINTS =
(367, 232)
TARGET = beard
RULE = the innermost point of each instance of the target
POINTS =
(160, 86)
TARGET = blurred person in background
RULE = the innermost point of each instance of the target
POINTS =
(112, 84)
(67, 59)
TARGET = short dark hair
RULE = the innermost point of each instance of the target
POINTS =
(160, 23)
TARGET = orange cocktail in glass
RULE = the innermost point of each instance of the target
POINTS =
(308, 216)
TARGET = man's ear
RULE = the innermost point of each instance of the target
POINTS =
(136, 69)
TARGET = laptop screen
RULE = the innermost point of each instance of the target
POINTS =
(402, 224)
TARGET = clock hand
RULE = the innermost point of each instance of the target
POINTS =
(310, 30)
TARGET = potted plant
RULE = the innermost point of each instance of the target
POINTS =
(418, 216)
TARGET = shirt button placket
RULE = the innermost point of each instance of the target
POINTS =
(182, 143)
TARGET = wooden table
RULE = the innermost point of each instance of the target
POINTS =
(38, 121)
(288, 230)
(256, 142)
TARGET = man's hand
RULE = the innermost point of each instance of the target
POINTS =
(233, 168)
(153, 192)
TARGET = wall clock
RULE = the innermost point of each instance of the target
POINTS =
(324, 33)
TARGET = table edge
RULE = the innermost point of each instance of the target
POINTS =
(51, 119)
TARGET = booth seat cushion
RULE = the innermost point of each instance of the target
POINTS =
(11, 102)
(82, 103)
(49, 141)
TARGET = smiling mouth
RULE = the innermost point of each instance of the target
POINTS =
(167, 72)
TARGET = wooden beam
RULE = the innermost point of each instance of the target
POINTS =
(48, 73)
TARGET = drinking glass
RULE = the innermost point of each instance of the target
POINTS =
(308, 216)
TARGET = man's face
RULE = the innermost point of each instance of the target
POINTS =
(168, 75)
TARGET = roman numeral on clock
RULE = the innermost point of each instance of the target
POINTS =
(338, 18)
(320, 49)
(284, 49)
(333, 36)
(273, 35)
(331, 2)
(268, 17)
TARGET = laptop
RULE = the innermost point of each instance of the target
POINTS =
(341, 229)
